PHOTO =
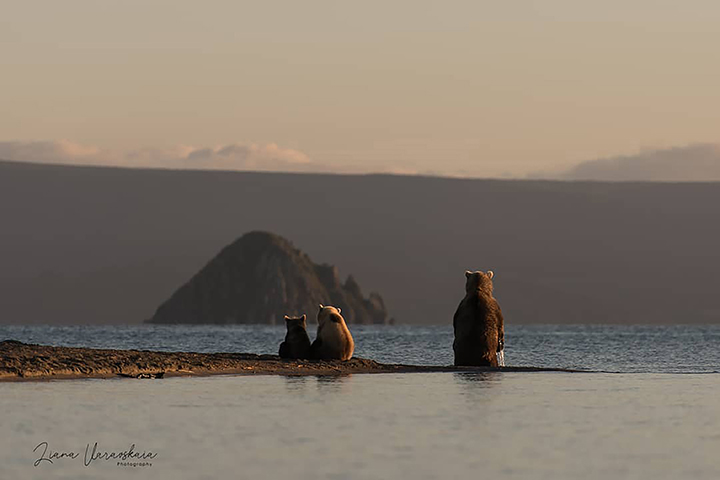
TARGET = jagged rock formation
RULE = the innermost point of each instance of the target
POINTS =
(260, 278)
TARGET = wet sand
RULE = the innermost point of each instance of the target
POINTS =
(22, 361)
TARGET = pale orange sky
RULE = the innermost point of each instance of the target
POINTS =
(474, 88)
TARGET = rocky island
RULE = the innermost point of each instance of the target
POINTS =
(261, 277)
(22, 361)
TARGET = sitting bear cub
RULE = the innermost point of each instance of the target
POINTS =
(297, 342)
(333, 340)
(478, 323)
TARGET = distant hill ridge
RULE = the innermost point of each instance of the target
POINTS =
(96, 245)
(261, 277)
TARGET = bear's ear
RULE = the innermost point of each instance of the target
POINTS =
(321, 306)
(287, 318)
(339, 309)
(490, 273)
(468, 273)
(303, 318)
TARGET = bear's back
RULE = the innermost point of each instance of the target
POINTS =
(296, 344)
(334, 340)
(477, 324)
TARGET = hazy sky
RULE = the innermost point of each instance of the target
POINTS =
(480, 88)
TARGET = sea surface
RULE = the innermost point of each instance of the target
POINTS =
(647, 406)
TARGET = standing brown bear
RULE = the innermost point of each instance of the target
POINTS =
(478, 323)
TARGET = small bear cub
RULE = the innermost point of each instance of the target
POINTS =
(297, 342)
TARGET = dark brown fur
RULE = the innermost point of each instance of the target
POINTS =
(297, 342)
(478, 323)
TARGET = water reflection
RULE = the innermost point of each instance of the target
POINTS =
(481, 379)
(295, 383)
(476, 382)
(334, 383)
(323, 383)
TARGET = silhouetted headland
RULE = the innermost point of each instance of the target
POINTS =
(22, 361)
(261, 277)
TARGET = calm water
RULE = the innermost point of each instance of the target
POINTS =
(650, 409)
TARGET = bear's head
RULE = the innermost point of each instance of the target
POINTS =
(328, 314)
(293, 322)
(479, 281)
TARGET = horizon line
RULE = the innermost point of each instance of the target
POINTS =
(364, 174)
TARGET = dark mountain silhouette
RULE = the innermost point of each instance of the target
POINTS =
(260, 278)
(108, 245)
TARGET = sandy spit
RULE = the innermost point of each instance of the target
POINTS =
(22, 361)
